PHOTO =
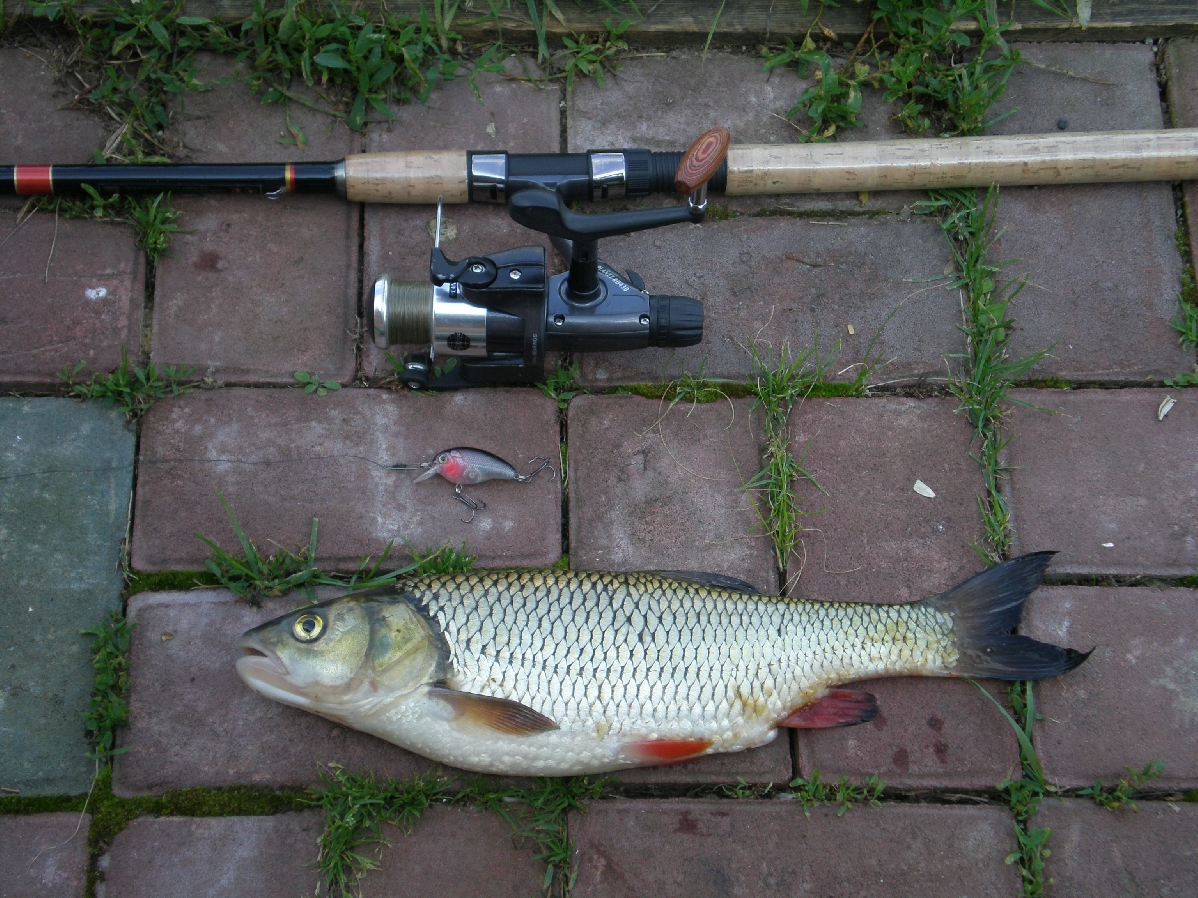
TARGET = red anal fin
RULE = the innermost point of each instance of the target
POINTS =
(663, 751)
(499, 714)
(839, 708)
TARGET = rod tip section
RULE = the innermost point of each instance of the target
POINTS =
(702, 160)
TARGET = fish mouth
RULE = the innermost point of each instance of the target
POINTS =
(265, 673)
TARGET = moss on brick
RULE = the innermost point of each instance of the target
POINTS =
(169, 581)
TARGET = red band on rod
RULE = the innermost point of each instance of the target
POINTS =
(289, 178)
(32, 179)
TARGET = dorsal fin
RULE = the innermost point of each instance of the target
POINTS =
(499, 714)
(712, 581)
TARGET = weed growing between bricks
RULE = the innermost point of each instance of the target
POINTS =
(131, 388)
(1186, 320)
(357, 806)
(253, 576)
(939, 78)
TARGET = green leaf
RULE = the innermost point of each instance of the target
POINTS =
(160, 32)
(330, 60)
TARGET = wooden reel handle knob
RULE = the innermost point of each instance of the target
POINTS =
(700, 162)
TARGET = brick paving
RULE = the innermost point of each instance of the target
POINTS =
(703, 848)
(1138, 702)
(213, 856)
(255, 290)
(43, 855)
(1097, 851)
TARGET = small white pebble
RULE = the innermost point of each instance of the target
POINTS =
(94, 293)
(1108, 545)
(850, 327)
(923, 489)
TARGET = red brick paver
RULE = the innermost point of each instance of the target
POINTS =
(1123, 852)
(1101, 261)
(1098, 477)
(484, 859)
(257, 290)
(36, 128)
(193, 722)
(869, 537)
(1135, 700)
(228, 122)
(655, 486)
(681, 94)
(319, 450)
(929, 734)
(213, 857)
(72, 292)
(792, 284)
(44, 855)
(254, 289)
(709, 848)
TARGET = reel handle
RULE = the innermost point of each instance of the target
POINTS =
(698, 165)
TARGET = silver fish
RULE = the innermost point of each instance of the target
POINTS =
(561, 673)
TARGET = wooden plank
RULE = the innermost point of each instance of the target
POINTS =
(688, 22)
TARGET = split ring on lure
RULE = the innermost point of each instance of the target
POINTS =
(462, 465)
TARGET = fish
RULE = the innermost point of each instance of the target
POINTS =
(558, 673)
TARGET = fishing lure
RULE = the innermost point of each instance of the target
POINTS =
(463, 464)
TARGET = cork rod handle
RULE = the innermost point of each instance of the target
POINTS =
(1045, 159)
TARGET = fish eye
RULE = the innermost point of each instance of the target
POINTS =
(308, 627)
(442, 458)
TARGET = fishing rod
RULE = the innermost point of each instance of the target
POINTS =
(492, 319)
(461, 176)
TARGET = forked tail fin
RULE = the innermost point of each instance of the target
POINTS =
(985, 608)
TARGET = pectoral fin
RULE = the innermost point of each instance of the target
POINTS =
(839, 708)
(498, 714)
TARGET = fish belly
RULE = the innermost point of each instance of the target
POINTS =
(634, 668)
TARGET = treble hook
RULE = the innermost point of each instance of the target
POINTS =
(473, 504)
(525, 478)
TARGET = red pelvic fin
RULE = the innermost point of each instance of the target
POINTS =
(663, 751)
(839, 708)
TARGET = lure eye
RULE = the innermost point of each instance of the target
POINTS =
(308, 627)
(443, 458)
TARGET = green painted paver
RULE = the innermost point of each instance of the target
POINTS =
(66, 475)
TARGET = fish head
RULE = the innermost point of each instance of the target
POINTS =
(342, 657)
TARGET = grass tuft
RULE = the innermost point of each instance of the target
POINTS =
(130, 388)
(253, 576)
(987, 368)
(1124, 791)
(940, 78)
(108, 709)
(842, 793)
(357, 806)
(783, 380)
(562, 385)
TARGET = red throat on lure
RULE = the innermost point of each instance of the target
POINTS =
(464, 465)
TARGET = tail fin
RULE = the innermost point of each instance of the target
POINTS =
(985, 608)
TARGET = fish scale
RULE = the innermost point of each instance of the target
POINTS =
(726, 643)
(560, 673)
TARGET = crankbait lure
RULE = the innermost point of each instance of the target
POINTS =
(462, 465)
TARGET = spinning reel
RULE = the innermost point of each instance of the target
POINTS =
(498, 315)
